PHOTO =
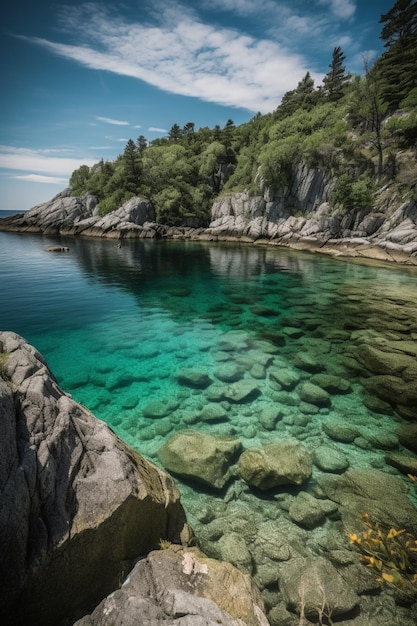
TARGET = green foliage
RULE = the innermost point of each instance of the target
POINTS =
(352, 127)
(336, 79)
(351, 193)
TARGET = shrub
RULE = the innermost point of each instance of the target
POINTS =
(390, 552)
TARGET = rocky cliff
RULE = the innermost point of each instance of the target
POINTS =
(77, 506)
(299, 216)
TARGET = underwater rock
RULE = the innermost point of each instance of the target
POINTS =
(285, 462)
(332, 384)
(229, 373)
(197, 456)
(75, 500)
(269, 416)
(406, 463)
(362, 490)
(316, 585)
(339, 430)
(156, 409)
(213, 412)
(407, 435)
(312, 394)
(330, 459)
(305, 361)
(241, 391)
(184, 587)
(288, 379)
(232, 548)
(193, 377)
(306, 511)
(393, 389)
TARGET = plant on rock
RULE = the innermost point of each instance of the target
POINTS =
(390, 552)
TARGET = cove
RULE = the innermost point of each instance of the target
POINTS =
(120, 326)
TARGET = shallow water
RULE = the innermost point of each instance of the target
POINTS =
(117, 326)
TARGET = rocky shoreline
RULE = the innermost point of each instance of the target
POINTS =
(387, 233)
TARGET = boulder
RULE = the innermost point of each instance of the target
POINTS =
(382, 496)
(193, 377)
(285, 462)
(315, 589)
(306, 510)
(407, 435)
(313, 394)
(200, 457)
(181, 587)
(76, 504)
(241, 391)
(330, 459)
(340, 430)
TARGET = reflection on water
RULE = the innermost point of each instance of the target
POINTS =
(289, 345)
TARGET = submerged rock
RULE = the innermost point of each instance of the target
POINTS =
(285, 462)
(76, 504)
(200, 457)
(314, 587)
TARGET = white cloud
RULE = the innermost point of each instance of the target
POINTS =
(343, 9)
(37, 178)
(185, 56)
(26, 159)
(109, 120)
(155, 129)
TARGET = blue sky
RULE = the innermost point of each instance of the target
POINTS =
(78, 80)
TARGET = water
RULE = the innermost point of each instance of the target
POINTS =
(118, 325)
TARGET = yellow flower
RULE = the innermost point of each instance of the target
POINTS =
(353, 538)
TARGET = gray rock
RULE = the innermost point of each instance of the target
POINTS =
(313, 394)
(288, 379)
(232, 548)
(330, 459)
(213, 412)
(229, 373)
(181, 587)
(74, 499)
(156, 409)
(241, 391)
(340, 430)
(306, 510)
(284, 462)
(194, 377)
(314, 588)
(197, 456)
(407, 435)
(332, 384)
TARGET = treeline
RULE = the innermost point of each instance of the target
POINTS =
(363, 128)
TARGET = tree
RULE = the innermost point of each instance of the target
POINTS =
(368, 108)
(335, 81)
(397, 67)
(132, 168)
(175, 133)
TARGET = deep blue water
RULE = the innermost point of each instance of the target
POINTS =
(117, 325)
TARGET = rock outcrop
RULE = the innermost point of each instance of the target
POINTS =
(181, 587)
(69, 215)
(299, 216)
(77, 506)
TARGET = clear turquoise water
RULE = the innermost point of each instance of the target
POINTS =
(117, 325)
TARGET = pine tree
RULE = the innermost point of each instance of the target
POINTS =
(336, 80)
(397, 67)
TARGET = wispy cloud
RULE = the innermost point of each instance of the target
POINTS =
(109, 120)
(37, 178)
(155, 129)
(183, 55)
(25, 159)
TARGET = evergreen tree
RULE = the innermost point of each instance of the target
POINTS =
(335, 81)
(175, 133)
(397, 67)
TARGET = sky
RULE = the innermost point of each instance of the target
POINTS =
(81, 79)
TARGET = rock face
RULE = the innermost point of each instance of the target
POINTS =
(75, 501)
(299, 216)
(181, 587)
(69, 215)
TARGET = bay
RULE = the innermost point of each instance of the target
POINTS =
(118, 326)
